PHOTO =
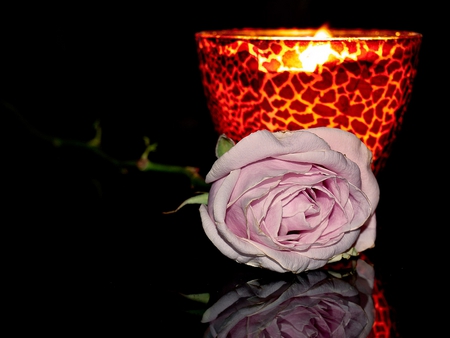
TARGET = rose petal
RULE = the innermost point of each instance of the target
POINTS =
(345, 143)
(239, 156)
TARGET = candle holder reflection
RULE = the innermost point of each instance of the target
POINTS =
(288, 79)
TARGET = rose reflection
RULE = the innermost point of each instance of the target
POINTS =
(311, 304)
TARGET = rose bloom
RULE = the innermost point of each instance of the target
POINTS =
(292, 201)
(312, 304)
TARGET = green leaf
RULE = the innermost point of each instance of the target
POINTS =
(198, 199)
(224, 144)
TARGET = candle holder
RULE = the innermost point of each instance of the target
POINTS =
(289, 79)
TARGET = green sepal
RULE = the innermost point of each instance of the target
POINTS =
(351, 252)
(197, 199)
(224, 143)
(198, 297)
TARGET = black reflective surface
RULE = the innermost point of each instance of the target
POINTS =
(88, 249)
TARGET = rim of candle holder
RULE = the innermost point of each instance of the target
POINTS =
(308, 34)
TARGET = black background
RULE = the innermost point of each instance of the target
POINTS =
(86, 243)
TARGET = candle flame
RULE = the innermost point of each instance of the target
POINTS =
(317, 53)
(323, 32)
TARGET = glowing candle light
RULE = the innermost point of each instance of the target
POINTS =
(288, 79)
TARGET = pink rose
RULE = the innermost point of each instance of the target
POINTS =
(292, 201)
(311, 304)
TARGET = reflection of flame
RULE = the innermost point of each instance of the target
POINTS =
(315, 55)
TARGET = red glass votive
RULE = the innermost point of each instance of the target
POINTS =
(288, 79)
